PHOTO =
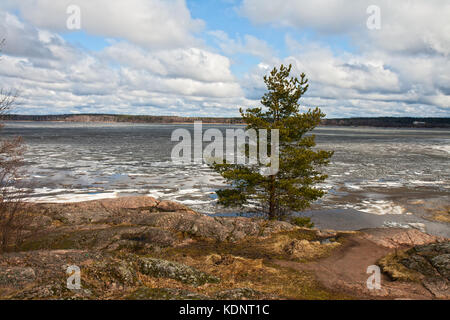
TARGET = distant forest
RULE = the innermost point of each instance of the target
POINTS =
(392, 122)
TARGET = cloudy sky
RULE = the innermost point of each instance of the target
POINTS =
(207, 58)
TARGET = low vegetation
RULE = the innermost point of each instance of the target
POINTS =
(13, 217)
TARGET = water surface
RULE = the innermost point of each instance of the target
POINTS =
(374, 170)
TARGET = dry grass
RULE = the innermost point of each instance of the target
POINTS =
(303, 250)
(237, 272)
(391, 265)
(247, 264)
(442, 215)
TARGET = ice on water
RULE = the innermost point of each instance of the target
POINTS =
(69, 162)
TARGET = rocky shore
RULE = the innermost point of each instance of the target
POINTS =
(142, 248)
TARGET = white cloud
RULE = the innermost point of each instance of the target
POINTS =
(357, 72)
(149, 23)
(406, 26)
(123, 78)
(193, 63)
(250, 45)
(322, 15)
(156, 64)
(371, 83)
(401, 69)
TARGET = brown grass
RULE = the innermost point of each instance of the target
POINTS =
(391, 265)
(248, 264)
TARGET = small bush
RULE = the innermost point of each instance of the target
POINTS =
(304, 222)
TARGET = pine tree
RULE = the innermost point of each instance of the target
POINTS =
(292, 187)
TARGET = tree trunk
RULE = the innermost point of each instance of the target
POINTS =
(272, 213)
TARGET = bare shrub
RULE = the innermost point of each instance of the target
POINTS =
(13, 217)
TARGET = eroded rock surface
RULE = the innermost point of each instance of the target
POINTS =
(399, 237)
(429, 264)
(142, 248)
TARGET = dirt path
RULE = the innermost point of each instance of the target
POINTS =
(345, 271)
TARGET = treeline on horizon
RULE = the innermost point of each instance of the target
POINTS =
(402, 122)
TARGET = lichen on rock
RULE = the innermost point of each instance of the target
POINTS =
(173, 270)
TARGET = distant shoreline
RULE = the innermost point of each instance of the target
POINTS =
(387, 122)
